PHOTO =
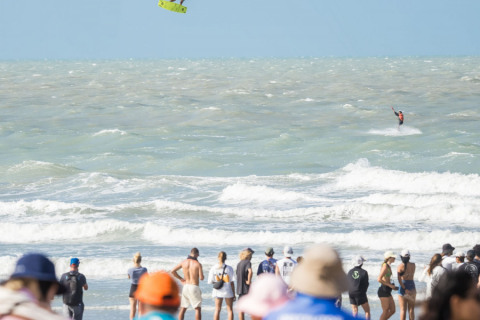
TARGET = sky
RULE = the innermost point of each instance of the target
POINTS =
(138, 29)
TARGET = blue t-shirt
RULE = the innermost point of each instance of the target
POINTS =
(157, 315)
(306, 307)
(136, 273)
(267, 266)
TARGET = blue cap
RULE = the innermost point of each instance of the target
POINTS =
(36, 266)
(74, 261)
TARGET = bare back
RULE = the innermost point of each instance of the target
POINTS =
(192, 271)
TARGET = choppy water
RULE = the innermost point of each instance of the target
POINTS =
(103, 159)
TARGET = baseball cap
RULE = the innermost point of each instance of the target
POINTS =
(37, 266)
(389, 254)
(405, 253)
(158, 289)
(266, 293)
(460, 254)
(288, 251)
(358, 261)
(75, 261)
(320, 274)
(269, 251)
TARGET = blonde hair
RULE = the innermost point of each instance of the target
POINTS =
(246, 254)
(222, 256)
(137, 258)
(18, 284)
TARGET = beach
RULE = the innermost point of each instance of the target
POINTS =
(105, 158)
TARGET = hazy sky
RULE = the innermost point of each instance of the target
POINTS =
(90, 29)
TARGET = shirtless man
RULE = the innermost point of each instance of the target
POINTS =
(191, 294)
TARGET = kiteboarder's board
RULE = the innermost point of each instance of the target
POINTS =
(172, 6)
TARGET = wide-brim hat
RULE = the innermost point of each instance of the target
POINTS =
(320, 274)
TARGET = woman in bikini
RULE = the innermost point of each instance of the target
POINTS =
(386, 286)
(406, 293)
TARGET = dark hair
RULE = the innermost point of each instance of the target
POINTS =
(477, 250)
(194, 251)
(222, 256)
(44, 286)
(452, 283)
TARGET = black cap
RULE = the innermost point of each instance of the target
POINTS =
(447, 248)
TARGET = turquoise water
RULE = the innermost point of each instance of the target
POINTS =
(101, 159)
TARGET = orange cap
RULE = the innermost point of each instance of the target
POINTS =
(158, 289)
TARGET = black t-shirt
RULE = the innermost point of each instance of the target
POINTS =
(242, 274)
(357, 280)
(472, 269)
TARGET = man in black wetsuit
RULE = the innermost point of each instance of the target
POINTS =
(358, 285)
(399, 114)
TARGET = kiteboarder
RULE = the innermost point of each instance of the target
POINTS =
(400, 117)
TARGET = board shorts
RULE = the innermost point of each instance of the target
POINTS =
(384, 291)
(191, 296)
(409, 285)
(133, 288)
(357, 299)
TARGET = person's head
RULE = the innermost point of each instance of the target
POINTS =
(287, 252)
(195, 253)
(470, 255)
(320, 274)
(74, 263)
(400, 111)
(434, 262)
(476, 248)
(266, 293)
(246, 254)
(137, 258)
(157, 291)
(36, 273)
(389, 257)
(222, 256)
(269, 252)
(447, 249)
(454, 298)
(460, 257)
(299, 259)
(405, 256)
(358, 261)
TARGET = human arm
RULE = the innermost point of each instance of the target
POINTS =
(380, 278)
(175, 274)
(400, 272)
(201, 272)
(249, 276)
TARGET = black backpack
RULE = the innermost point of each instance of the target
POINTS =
(73, 296)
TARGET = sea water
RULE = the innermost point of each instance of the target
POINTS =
(101, 159)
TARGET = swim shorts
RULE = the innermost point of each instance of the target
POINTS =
(409, 285)
(133, 288)
(357, 299)
(384, 291)
(191, 295)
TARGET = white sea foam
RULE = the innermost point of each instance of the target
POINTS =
(396, 132)
(110, 131)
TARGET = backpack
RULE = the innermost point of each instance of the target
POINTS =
(73, 296)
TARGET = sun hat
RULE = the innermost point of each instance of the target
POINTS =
(266, 293)
(158, 289)
(74, 261)
(405, 253)
(447, 248)
(288, 251)
(389, 254)
(269, 251)
(320, 274)
(37, 266)
(358, 261)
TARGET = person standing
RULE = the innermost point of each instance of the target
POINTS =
(75, 282)
(406, 293)
(30, 289)
(386, 286)
(285, 266)
(358, 286)
(436, 271)
(244, 275)
(471, 268)
(159, 296)
(267, 265)
(459, 259)
(134, 274)
(191, 293)
(318, 280)
(448, 259)
(222, 272)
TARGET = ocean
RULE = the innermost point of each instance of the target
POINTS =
(103, 159)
